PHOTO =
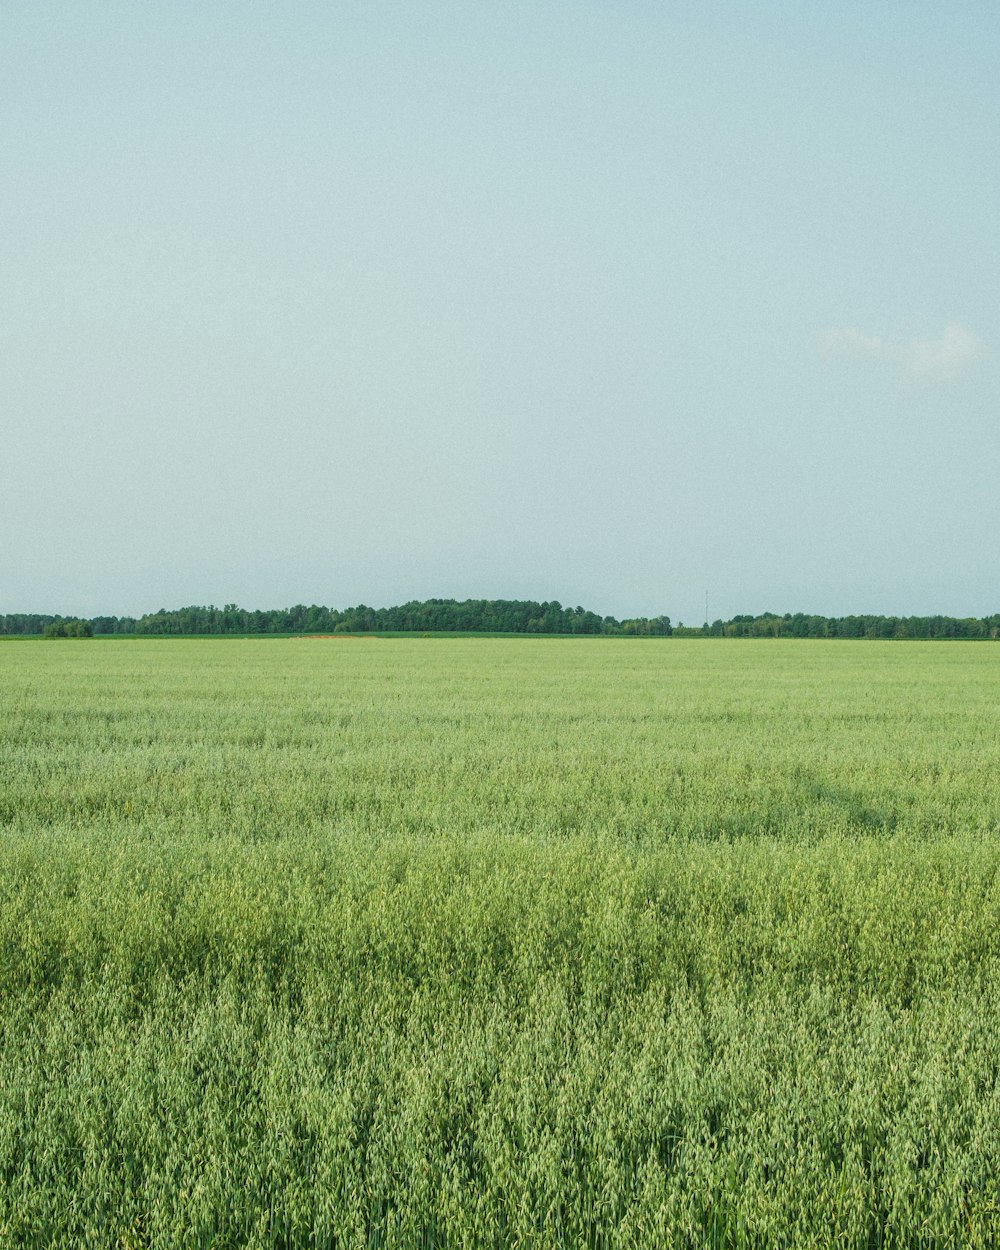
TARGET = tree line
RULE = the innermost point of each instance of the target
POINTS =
(801, 625)
(495, 616)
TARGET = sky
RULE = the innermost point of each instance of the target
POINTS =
(615, 304)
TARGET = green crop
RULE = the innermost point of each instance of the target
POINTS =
(496, 943)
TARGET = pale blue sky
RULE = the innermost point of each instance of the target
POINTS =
(334, 302)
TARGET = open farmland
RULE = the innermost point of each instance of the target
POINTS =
(499, 943)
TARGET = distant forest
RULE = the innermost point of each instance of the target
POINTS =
(495, 616)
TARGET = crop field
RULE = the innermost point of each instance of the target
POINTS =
(499, 942)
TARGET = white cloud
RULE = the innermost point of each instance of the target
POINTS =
(926, 362)
(946, 359)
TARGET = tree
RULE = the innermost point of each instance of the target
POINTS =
(68, 629)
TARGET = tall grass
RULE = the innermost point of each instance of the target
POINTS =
(499, 943)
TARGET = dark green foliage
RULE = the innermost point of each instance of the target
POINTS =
(68, 629)
(502, 616)
(429, 616)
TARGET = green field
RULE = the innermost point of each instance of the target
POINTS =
(533, 943)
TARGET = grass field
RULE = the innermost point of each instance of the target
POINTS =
(567, 943)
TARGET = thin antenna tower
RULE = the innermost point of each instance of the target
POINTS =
(706, 607)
